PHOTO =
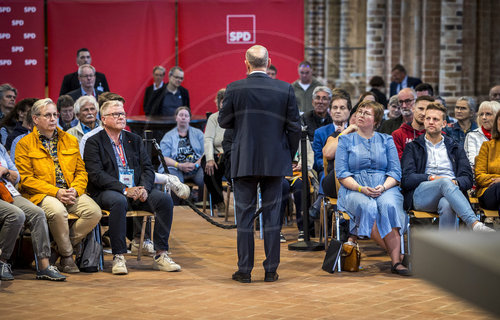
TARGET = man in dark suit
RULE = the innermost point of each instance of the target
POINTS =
(401, 80)
(172, 96)
(71, 81)
(121, 176)
(155, 92)
(86, 74)
(264, 115)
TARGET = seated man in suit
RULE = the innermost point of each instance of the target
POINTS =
(155, 92)
(53, 177)
(437, 174)
(172, 96)
(401, 80)
(86, 75)
(122, 178)
(71, 82)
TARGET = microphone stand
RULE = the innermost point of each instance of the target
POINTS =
(307, 244)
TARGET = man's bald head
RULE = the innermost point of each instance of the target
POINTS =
(495, 93)
(257, 57)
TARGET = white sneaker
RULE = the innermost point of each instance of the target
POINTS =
(165, 263)
(174, 184)
(480, 227)
(147, 247)
(119, 266)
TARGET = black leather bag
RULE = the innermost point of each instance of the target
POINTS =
(332, 256)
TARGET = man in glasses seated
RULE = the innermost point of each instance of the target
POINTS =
(122, 178)
(53, 177)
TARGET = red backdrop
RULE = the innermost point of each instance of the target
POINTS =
(22, 58)
(127, 38)
(214, 36)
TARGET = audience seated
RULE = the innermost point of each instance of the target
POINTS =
(495, 93)
(213, 160)
(66, 110)
(53, 176)
(465, 110)
(8, 95)
(393, 109)
(28, 125)
(155, 92)
(488, 170)
(71, 81)
(339, 111)
(329, 150)
(319, 116)
(121, 177)
(406, 99)
(437, 174)
(368, 170)
(475, 138)
(401, 80)
(424, 89)
(182, 148)
(86, 112)
(409, 131)
(378, 89)
(272, 71)
(12, 124)
(367, 96)
(86, 76)
(172, 97)
(15, 211)
(304, 86)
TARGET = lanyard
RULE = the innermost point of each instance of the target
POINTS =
(121, 154)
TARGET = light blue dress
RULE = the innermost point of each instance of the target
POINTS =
(370, 162)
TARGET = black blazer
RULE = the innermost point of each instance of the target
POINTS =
(264, 115)
(152, 98)
(154, 106)
(100, 163)
(71, 82)
(412, 83)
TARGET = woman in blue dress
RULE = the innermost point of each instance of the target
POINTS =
(369, 171)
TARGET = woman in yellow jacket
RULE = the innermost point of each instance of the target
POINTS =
(488, 170)
(53, 177)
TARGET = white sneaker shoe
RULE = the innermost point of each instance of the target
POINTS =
(174, 184)
(480, 227)
(119, 266)
(147, 247)
(165, 263)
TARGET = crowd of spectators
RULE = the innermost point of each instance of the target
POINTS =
(388, 154)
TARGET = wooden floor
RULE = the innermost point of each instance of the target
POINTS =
(204, 289)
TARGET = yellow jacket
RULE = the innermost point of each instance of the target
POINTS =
(37, 169)
(487, 165)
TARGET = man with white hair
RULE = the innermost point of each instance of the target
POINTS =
(86, 75)
(319, 116)
(260, 157)
(86, 112)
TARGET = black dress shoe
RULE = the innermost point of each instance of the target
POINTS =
(401, 272)
(271, 276)
(242, 277)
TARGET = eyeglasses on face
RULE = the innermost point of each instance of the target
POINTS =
(116, 115)
(49, 115)
(407, 101)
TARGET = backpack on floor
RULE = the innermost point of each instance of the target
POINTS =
(89, 260)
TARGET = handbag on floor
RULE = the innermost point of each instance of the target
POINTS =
(332, 256)
(351, 257)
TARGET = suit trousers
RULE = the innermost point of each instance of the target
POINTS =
(245, 192)
(158, 202)
(56, 212)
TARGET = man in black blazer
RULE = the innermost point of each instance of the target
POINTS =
(121, 177)
(86, 76)
(154, 93)
(264, 116)
(401, 80)
(71, 81)
(170, 96)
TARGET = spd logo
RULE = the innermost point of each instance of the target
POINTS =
(240, 28)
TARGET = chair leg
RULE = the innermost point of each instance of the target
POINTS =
(325, 224)
(337, 225)
(205, 200)
(141, 241)
(97, 234)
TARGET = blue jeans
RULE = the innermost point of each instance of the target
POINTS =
(445, 198)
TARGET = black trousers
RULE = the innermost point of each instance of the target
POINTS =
(245, 192)
(491, 198)
(158, 202)
(214, 182)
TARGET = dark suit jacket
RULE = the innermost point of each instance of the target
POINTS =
(154, 107)
(100, 163)
(412, 83)
(264, 115)
(77, 93)
(71, 82)
(153, 98)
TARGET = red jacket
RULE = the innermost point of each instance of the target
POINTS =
(404, 135)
